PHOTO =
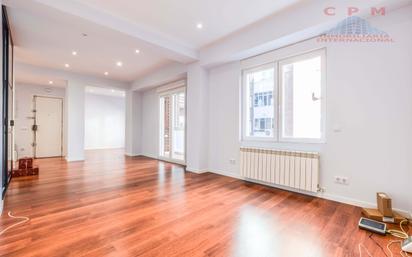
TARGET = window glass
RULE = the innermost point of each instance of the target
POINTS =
(259, 106)
(301, 85)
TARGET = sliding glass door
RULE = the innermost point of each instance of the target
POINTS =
(172, 122)
(7, 138)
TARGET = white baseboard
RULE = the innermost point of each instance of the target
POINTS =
(1, 207)
(194, 170)
(150, 156)
(74, 159)
(162, 159)
(227, 174)
(103, 148)
(132, 154)
(359, 203)
(327, 196)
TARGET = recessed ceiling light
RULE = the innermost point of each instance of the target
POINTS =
(74, 53)
(199, 25)
(137, 51)
(67, 65)
(112, 90)
(120, 64)
(50, 82)
(106, 73)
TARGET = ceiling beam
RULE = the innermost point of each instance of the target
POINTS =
(294, 24)
(55, 74)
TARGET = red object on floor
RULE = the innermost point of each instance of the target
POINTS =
(29, 163)
(22, 163)
(26, 168)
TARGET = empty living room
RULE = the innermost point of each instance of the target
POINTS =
(235, 128)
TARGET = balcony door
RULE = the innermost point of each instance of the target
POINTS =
(172, 122)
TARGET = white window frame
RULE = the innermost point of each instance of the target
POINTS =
(277, 101)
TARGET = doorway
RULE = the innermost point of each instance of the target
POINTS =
(104, 118)
(172, 122)
(48, 127)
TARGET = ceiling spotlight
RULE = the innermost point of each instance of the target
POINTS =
(67, 65)
(50, 82)
(106, 73)
(120, 64)
(199, 26)
(74, 53)
(137, 51)
(112, 90)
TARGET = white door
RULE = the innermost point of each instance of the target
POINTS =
(49, 121)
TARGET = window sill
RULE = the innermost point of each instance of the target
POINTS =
(283, 145)
(283, 141)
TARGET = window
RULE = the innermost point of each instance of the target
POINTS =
(259, 102)
(291, 108)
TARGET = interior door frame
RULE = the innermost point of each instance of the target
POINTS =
(170, 93)
(35, 123)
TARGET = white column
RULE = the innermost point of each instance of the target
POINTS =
(197, 121)
(75, 93)
(133, 123)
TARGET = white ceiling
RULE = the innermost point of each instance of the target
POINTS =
(46, 37)
(46, 32)
(178, 18)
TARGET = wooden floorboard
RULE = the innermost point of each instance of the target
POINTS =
(111, 205)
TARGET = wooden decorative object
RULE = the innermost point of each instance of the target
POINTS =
(375, 214)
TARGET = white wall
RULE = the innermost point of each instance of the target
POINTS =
(196, 118)
(150, 123)
(224, 118)
(133, 134)
(104, 121)
(369, 92)
(23, 110)
(74, 110)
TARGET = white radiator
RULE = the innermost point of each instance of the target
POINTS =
(299, 170)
